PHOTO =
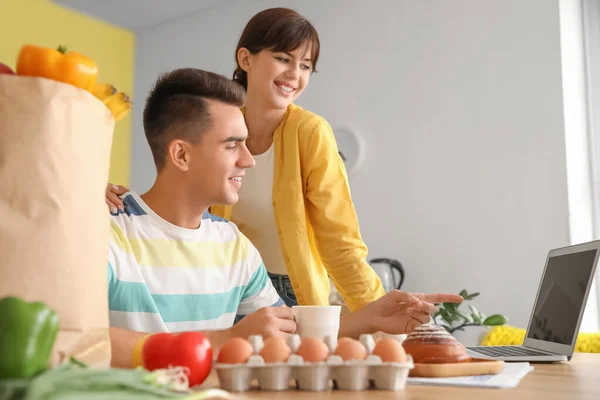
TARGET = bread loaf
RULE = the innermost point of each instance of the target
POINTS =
(432, 344)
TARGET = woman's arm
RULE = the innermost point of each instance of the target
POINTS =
(396, 312)
(334, 219)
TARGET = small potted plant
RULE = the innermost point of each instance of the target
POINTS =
(453, 319)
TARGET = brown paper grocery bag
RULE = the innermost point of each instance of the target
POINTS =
(55, 142)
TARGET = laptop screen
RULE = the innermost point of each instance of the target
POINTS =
(561, 297)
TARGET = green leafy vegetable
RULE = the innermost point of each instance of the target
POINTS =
(72, 381)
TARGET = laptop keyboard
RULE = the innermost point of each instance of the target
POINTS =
(507, 351)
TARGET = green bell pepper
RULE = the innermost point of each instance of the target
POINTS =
(27, 335)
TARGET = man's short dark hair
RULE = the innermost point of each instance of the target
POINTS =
(176, 107)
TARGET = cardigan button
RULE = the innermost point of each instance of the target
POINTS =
(273, 204)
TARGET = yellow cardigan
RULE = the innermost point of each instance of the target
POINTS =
(318, 228)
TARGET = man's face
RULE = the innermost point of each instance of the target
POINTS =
(218, 162)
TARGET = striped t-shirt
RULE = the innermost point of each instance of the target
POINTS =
(164, 278)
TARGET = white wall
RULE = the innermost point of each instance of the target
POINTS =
(460, 104)
(576, 41)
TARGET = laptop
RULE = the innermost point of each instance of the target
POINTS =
(557, 311)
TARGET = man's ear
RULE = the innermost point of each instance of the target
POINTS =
(180, 154)
(243, 58)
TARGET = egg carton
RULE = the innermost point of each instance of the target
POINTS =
(355, 375)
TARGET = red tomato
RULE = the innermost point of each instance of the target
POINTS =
(5, 69)
(187, 349)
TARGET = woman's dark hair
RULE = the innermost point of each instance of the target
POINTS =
(277, 30)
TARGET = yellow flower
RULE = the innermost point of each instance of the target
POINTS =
(506, 335)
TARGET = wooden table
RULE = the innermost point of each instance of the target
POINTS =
(573, 380)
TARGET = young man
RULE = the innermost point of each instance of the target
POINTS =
(174, 267)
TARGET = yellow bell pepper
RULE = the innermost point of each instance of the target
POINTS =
(59, 65)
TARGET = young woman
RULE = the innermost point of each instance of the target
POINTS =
(295, 204)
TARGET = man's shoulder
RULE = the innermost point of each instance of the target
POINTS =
(229, 232)
(132, 210)
(131, 207)
(125, 219)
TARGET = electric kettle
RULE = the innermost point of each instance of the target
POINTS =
(390, 272)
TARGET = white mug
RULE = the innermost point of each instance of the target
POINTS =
(317, 321)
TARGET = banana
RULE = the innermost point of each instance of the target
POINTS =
(119, 105)
(104, 92)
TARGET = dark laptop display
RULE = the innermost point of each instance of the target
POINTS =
(558, 308)
(561, 297)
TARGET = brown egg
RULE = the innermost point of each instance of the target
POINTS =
(235, 351)
(275, 349)
(313, 350)
(389, 350)
(350, 349)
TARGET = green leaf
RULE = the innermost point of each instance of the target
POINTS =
(446, 317)
(474, 310)
(476, 319)
(468, 319)
(463, 293)
(456, 316)
(471, 296)
(68, 380)
(495, 319)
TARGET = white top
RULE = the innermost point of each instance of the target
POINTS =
(254, 215)
(164, 278)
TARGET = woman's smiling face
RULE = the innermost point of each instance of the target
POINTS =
(278, 78)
